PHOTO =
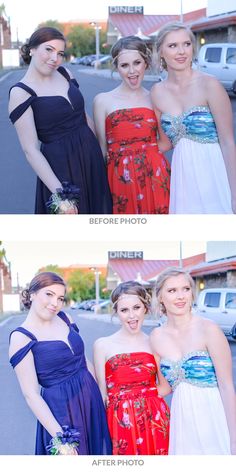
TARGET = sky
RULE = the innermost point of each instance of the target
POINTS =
(27, 257)
(25, 16)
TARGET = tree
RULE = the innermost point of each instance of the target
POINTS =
(54, 268)
(81, 285)
(2, 9)
(52, 24)
(81, 41)
(2, 251)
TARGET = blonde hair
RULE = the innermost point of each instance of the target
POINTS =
(163, 32)
(159, 307)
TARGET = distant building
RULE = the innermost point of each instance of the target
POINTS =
(219, 268)
(143, 271)
(5, 35)
(5, 280)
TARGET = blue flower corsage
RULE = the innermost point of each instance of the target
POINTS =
(64, 198)
(65, 442)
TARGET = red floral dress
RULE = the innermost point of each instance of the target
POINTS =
(138, 174)
(138, 419)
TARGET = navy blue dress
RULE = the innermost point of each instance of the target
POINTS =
(69, 389)
(69, 146)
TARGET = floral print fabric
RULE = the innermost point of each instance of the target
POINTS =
(138, 174)
(138, 418)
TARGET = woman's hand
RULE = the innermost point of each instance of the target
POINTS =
(67, 208)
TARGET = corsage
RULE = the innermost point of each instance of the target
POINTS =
(64, 200)
(65, 442)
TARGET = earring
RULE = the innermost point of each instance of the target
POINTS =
(161, 65)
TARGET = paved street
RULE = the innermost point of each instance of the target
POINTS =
(17, 424)
(17, 180)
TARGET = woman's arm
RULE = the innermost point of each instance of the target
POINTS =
(164, 143)
(222, 112)
(26, 375)
(99, 364)
(26, 131)
(163, 386)
(99, 115)
(220, 353)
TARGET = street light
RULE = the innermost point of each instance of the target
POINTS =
(181, 11)
(96, 273)
(97, 29)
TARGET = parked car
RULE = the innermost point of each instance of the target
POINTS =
(104, 304)
(75, 61)
(219, 305)
(103, 60)
(219, 60)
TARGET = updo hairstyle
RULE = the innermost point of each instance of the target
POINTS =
(131, 288)
(41, 280)
(130, 43)
(40, 36)
(157, 305)
(163, 32)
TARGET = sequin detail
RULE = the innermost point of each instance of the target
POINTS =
(197, 124)
(195, 368)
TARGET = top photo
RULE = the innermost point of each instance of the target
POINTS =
(118, 109)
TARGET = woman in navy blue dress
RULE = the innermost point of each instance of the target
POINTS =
(46, 107)
(48, 351)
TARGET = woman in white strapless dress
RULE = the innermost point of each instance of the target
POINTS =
(196, 361)
(195, 113)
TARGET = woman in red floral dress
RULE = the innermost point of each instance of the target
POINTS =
(127, 129)
(138, 417)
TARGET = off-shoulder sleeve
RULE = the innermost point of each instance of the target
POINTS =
(19, 110)
(21, 353)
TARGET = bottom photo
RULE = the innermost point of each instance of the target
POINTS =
(118, 348)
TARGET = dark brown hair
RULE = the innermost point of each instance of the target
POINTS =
(131, 43)
(134, 288)
(41, 280)
(40, 36)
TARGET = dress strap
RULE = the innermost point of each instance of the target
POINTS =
(66, 75)
(19, 110)
(21, 353)
(64, 317)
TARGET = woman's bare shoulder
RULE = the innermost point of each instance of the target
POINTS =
(102, 342)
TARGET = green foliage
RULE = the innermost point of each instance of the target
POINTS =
(2, 251)
(2, 9)
(81, 41)
(52, 24)
(81, 285)
(53, 268)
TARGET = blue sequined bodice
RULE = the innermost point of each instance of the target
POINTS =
(195, 368)
(196, 124)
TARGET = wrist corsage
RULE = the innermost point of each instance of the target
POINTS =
(65, 442)
(64, 200)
